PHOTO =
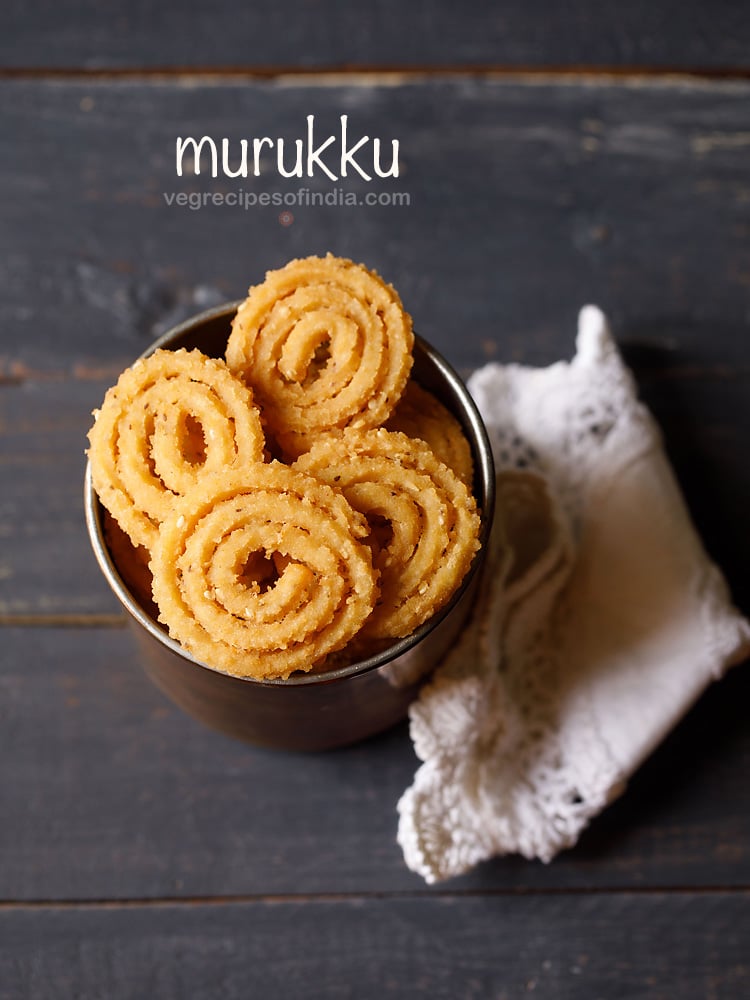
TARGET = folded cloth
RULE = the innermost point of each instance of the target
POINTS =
(601, 620)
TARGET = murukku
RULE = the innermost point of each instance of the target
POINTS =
(262, 572)
(324, 344)
(421, 415)
(173, 420)
(423, 521)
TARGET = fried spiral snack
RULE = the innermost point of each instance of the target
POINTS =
(261, 572)
(424, 523)
(420, 415)
(324, 344)
(173, 419)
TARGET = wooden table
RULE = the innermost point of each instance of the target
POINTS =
(550, 160)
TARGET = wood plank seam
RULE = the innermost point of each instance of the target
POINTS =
(354, 897)
(374, 75)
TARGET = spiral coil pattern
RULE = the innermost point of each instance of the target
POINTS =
(424, 523)
(324, 343)
(173, 419)
(263, 572)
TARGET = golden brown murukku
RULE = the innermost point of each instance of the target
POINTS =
(421, 415)
(325, 344)
(261, 572)
(424, 523)
(258, 568)
(173, 420)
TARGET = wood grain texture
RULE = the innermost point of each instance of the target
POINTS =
(114, 794)
(46, 563)
(47, 567)
(143, 855)
(526, 202)
(649, 946)
(335, 34)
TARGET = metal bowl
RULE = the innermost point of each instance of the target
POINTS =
(315, 711)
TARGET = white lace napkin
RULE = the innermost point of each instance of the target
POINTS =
(601, 621)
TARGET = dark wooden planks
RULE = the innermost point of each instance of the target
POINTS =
(705, 421)
(526, 202)
(336, 34)
(46, 566)
(112, 793)
(653, 946)
(109, 792)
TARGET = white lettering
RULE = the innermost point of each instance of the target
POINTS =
(242, 169)
(197, 148)
(296, 170)
(313, 155)
(393, 172)
(347, 155)
(257, 146)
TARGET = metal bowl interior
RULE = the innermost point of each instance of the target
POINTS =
(302, 712)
